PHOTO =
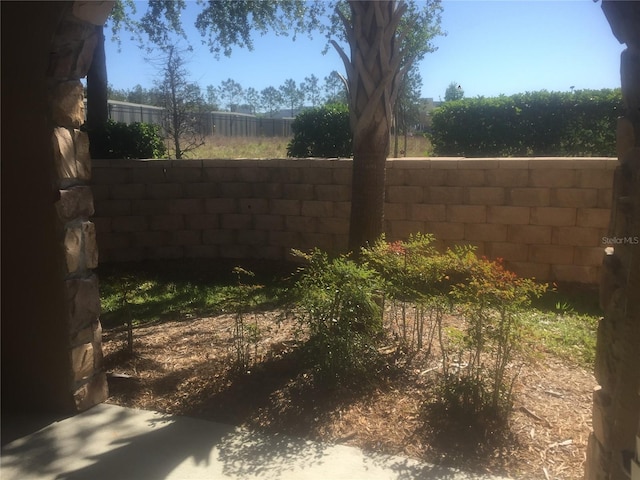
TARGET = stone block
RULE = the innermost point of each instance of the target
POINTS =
(538, 271)
(588, 256)
(335, 226)
(103, 225)
(217, 237)
(252, 174)
(428, 213)
(323, 241)
(601, 420)
(166, 222)
(167, 252)
(484, 232)
(220, 205)
(396, 177)
(218, 173)
(444, 195)
(312, 208)
(342, 209)
(285, 174)
(252, 237)
(427, 177)
(605, 198)
(317, 176)
(593, 217)
(100, 192)
(83, 157)
(575, 197)
(90, 334)
(396, 211)
(465, 177)
(201, 190)
(129, 224)
(285, 207)
(335, 193)
(507, 177)
(185, 206)
(401, 229)
(82, 362)
(529, 234)
(598, 460)
(110, 175)
(150, 239)
(254, 206)
(554, 216)
(113, 208)
(577, 236)
(67, 104)
(594, 179)
(404, 195)
(507, 215)
(201, 251)
(287, 240)
(235, 221)
(486, 195)
(445, 230)
(128, 191)
(529, 197)
(553, 254)
(89, 245)
(147, 206)
(201, 221)
(466, 213)
(95, 13)
(93, 392)
(83, 302)
(512, 252)
(149, 174)
(298, 191)
(268, 222)
(75, 202)
(235, 190)
(111, 240)
(236, 251)
(73, 248)
(342, 175)
(552, 178)
(300, 224)
(165, 190)
(128, 254)
(267, 190)
(575, 273)
(64, 153)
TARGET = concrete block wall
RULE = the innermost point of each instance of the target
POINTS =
(546, 217)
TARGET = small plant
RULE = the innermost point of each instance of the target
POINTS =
(245, 335)
(321, 132)
(339, 306)
(120, 140)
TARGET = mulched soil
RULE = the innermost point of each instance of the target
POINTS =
(185, 367)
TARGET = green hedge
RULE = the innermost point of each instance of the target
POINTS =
(121, 140)
(580, 123)
(321, 132)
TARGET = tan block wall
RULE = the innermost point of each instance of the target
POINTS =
(545, 217)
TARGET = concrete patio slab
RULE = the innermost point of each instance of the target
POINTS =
(115, 443)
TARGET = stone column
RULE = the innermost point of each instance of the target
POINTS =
(616, 401)
(71, 55)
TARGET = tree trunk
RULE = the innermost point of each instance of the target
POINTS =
(97, 94)
(372, 76)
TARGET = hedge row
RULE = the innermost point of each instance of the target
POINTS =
(580, 123)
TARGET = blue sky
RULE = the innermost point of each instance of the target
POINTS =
(492, 47)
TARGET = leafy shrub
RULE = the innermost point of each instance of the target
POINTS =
(121, 140)
(337, 301)
(321, 132)
(580, 123)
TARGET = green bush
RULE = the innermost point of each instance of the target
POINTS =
(121, 140)
(580, 123)
(321, 132)
(337, 305)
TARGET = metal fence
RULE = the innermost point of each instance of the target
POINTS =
(226, 124)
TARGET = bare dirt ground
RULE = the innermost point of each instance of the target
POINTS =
(184, 367)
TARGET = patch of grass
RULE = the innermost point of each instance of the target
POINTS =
(175, 290)
(276, 147)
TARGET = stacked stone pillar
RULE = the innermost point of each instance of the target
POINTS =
(611, 451)
(71, 56)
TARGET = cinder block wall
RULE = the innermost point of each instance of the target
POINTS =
(546, 217)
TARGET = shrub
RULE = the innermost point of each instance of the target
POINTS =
(580, 123)
(337, 301)
(121, 140)
(321, 132)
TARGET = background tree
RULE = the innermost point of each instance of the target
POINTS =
(183, 103)
(213, 101)
(270, 100)
(335, 90)
(230, 93)
(453, 92)
(292, 95)
(311, 89)
(252, 99)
